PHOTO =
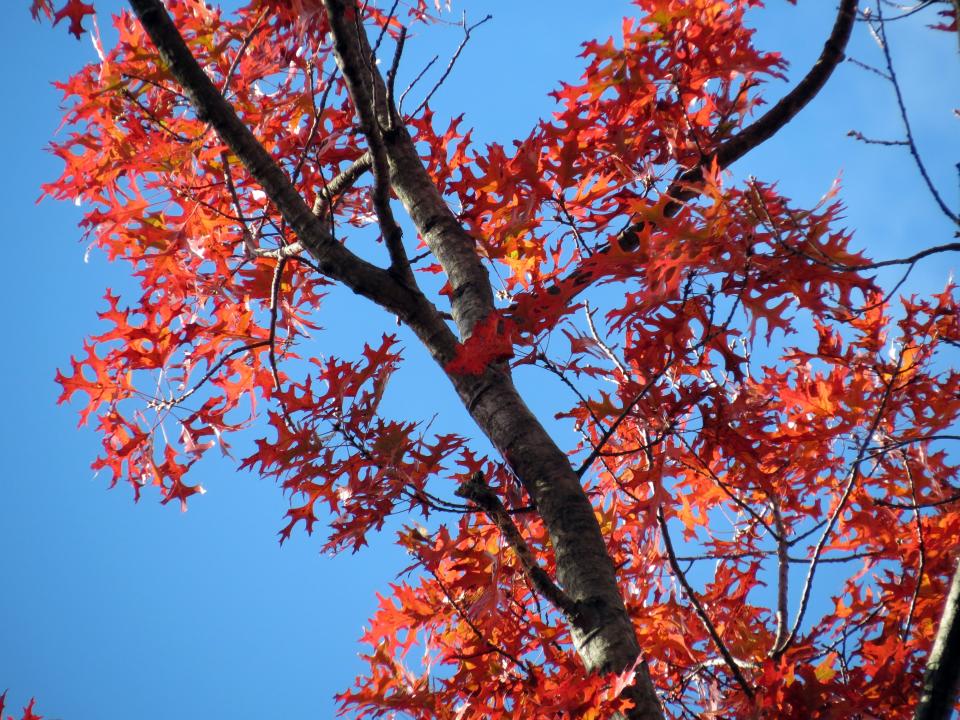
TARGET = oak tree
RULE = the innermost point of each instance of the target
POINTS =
(746, 397)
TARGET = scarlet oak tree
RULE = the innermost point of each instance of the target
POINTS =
(232, 162)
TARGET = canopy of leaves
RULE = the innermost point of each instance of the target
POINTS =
(715, 439)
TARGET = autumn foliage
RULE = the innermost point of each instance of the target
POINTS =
(746, 399)
(27, 713)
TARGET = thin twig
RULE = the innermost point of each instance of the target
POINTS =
(153, 117)
(628, 408)
(467, 29)
(391, 16)
(241, 50)
(907, 12)
(416, 80)
(857, 135)
(568, 220)
(868, 68)
(173, 402)
(921, 546)
(853, 474)
(918, 505)
(699, 609)
(274, 309)
(314, 123)
(231, 188)
(614, 358)
(392, 75)
(828, 262)
(476, 631)
(885, 47)
(713, 557)
(551, 366)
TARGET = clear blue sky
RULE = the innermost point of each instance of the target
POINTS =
(111, 610)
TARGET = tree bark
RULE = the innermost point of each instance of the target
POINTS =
(602, 631)
(943, 666)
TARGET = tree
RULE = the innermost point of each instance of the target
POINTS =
(559, 583)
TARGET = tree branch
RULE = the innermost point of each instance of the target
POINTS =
(793, 102)
(852, 476)
(274, 311)
(323, 204)
(454, 248)
(683, 188)
(701, 613)
(911, 144)
(602, 631)
(943, 666)
(377, 117)
(331, 257)
(624, 414)
(476, 490)
(467, 29)
(783, 575)
(465, 616)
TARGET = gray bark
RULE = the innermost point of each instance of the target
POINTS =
(942, 678)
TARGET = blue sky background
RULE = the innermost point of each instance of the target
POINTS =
(111, 610)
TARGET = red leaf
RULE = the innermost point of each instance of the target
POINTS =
(36, 8)
(491, 341)
(28, 713)
(76, 10)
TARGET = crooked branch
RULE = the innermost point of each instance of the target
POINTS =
(214, 369)
(323, 204)
(685, 186)
(477, 491)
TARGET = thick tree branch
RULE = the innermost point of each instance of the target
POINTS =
(602, 631)
(793, 102)
(943, 666)
(333, 259)
(377, 117)
(454, 248)
(783, 575)
(771, 122)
